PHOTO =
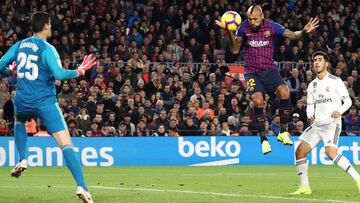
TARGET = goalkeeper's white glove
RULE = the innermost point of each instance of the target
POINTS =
(88, 62)
(12, 68)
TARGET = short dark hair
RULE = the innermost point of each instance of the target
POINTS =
(252, 8)
(38, 21)
(320, 53)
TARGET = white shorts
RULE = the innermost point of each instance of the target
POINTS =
(329, 134)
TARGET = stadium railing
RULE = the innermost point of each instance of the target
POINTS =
(281, 65)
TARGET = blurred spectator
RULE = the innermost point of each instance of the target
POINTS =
(123, 131)
(203, 128)
(4, 96)
(30, 126)
(275, 124)
(74, 108)
(212, 130)
(95, 131)
(4, 129)
(225, 131)
(299, 128)
(352, 122)
(190, 129)
(268, 132)
(161, 120)
(9, 110)
(295, 119)
(233, 126)
(73, 128)
(300, 109)
(357, 103)
(141, 130)
(42, 132)
(294, 85)
(160, 132)
(83, 119)
(244, 130)
(65, 93)
(173, 128)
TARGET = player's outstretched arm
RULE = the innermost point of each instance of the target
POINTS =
(62, 74)
(309, 27)
(235, 41)
(53, 61)
(8, 58)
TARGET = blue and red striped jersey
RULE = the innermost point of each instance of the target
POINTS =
(260, 45)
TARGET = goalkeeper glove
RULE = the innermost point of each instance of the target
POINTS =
(88, 62)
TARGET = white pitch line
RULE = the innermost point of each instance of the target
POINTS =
(181, 191)
(185, 174)
(224, 194)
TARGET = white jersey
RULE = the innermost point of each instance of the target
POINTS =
(327, 95)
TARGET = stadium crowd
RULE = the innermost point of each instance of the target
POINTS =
(159, 74)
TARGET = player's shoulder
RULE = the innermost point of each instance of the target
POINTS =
(313, 84)
(240, 31)
(47, 44)
(333, 77)
(271, 22)
(50, 48)
(244, 24)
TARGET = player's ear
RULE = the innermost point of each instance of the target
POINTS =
(327, 65)
(46, 27)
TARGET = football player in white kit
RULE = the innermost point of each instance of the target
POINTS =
(325, 95)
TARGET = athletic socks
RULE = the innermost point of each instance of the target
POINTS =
(74, 165)
(260, 123)
(20, 138)
(302, 169)
(284, 108)
(344, 163)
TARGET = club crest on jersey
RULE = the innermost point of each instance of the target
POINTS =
(267, 33)
(314, 86)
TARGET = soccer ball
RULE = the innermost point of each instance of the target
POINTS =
(230, 20)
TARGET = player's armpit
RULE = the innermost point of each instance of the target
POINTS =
(288, 34)
(236, 43)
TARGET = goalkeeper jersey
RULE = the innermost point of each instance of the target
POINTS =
(38, 64)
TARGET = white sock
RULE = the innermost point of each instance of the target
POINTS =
(302, 169)
(344, 163)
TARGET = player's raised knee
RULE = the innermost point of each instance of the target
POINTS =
(300, 153)
(257, 99)
(283, 92)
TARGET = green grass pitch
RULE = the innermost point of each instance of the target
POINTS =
(180, 184)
